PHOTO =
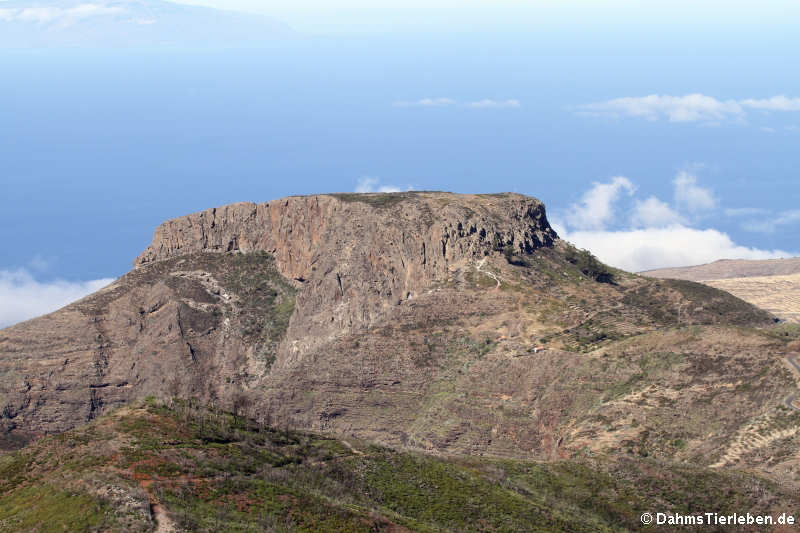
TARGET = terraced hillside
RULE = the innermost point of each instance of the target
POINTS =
(780, 295)
(175, 467)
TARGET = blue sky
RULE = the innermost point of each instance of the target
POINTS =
(659, 135)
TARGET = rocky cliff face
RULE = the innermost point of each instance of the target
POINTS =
(412, 319)
(194, 317)
(354, 256)
(204, 325)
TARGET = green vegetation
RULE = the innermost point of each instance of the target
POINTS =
(379, 200)
(588, 335)
(652, 366)
(678, 302)
(480, 279)
(266, 300)
(212, 470)
(512, 257)
(44, 508)
(589, 265)
(785, 332)
(707, 305)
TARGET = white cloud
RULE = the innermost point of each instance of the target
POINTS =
(65, 16)
(770, 223)
(596, 207)
(367, 184)
(789, 217)
(776, 103)
(39, 263)
(653, 213)
(495, 103)
(745, 211)
(427, 102)
(22, 297)
(689, 108)
(449, 102)
(653, 234)
(37, 14)
(651, 248)
(690, 195)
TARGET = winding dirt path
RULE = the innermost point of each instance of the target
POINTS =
(793, 400)
(164, 523)
(492, 275)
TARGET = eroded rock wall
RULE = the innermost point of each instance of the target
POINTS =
(192, 319)
(356, 255)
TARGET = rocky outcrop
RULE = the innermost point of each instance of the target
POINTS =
(425, 229)
(409, 319)
(193, 319)
(356, 255)
(204, 325)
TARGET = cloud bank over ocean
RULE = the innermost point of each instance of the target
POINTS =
(652, 233)
(23, 297)
(125, 23)
(689, 108)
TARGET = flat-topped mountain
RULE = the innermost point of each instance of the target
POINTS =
(226, 296)
(435, 321)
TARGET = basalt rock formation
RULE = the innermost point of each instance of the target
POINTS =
(444, 322)
(355, 256)
(211, 323)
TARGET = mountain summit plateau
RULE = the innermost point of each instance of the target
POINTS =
(448, 323)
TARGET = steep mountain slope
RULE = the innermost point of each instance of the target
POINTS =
(412, 319)
(152, 466)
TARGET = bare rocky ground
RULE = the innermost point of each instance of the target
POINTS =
(410, 320)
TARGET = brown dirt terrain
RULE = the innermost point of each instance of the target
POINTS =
(780, 295)
(773, 285)
(411, 320)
